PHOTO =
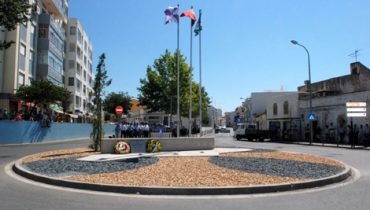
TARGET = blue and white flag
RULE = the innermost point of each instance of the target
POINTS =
(198, 26)
(172, 14)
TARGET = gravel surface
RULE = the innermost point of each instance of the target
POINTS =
(276, 167)
(71, 166)
(230, 169)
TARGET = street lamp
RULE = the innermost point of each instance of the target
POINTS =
(308, 87)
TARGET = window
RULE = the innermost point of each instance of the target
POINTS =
(22, 50)
(33, 36)
(79, 36)
(286, 107)
(22, 57)
(71, 81)
(71, 64)
(72, 47)
(78, 69)
(43, 31)
(20, 79)
(72, 30)
(78, 101)
(55, 63)
(79, 53)
(23, 32)
(84, 90)
(31, 66)
(275, 109)
(78, 84)
(90, 67)
(85, 76)
(84, 104)
(57, 42)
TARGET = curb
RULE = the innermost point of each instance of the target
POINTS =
(232, 190)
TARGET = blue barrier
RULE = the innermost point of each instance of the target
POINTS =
(20, 132)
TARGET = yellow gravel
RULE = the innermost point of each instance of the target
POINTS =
(183, 172)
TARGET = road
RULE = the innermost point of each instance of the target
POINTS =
(16, 194)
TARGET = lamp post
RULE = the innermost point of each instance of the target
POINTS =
(309, 85)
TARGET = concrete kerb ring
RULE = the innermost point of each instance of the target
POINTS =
(233, 190)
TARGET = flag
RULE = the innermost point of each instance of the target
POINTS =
(190, 14)
(198, 26)
(172, 14)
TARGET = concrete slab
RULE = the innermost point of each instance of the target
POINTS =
(194, 153)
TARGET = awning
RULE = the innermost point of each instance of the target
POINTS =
(56, 108)
(73, 115)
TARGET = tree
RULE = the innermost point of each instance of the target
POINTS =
(101, 82)
(43, 92)
(12, 12)
(117, 99)
(159, 88)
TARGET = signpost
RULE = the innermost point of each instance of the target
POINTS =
(119, 110)
(311, 116)
(355, 109)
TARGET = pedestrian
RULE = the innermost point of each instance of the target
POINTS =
(350, 135)
(331, 133)
(318, 133)
(326, 134)
(361, 135)
(6, 115)
(367, 135)
(355, 134)
(306, 132)
(122, 129)
(39, 116)
(117, 129)
(342, 134)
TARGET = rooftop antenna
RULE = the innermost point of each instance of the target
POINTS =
(354, 55)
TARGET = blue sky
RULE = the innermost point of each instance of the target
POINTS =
(245, 44)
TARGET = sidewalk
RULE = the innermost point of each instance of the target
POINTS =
(347, 146)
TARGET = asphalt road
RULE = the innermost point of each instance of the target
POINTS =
(17, 194)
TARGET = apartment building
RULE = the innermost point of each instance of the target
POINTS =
(52, 22)
(38, 51)
(18, 63)
(79, 78)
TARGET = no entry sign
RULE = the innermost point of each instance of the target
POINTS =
(119, 110)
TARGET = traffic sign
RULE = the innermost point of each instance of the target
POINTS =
(119, 110)
(356, 114)
(311, 116)
(358, 109)
(356, 104)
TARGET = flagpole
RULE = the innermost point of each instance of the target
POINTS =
(191, 73)
(178, 77)
(200, 78)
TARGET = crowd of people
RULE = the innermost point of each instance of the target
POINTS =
(132, 130)
(33, 115)
(344, 134)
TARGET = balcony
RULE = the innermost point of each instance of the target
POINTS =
(49, 20)
(57, 7)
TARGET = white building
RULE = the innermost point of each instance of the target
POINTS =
(330, 97)
(79, 78)
(282, 115)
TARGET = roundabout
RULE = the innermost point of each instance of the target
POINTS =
(222, 171)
